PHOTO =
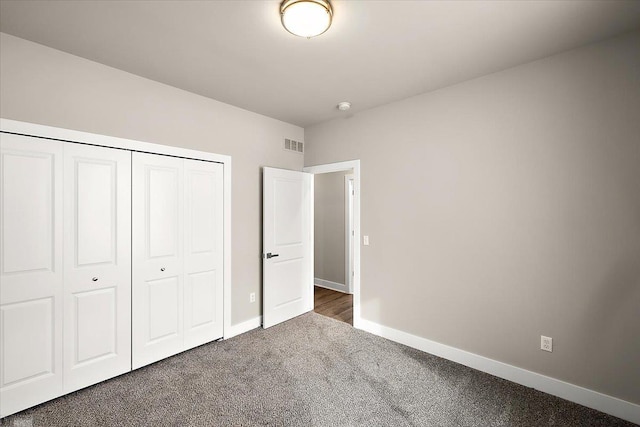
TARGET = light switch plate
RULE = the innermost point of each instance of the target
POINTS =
(366, 240)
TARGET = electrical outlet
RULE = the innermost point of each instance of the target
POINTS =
(252, 297)
(546, 343)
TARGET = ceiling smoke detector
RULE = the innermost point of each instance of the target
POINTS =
(344, 105)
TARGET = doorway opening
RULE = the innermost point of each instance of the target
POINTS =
(336, 240)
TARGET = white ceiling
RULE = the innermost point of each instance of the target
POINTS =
(374, 53)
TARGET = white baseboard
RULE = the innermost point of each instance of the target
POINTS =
(243, 327)
(583, 396)
(340, 287)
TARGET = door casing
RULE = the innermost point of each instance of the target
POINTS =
(349, 239)
(353, 165)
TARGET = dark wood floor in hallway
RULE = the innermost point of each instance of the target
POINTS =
(334, 304)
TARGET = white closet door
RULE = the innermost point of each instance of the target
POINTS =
(157, 257)
(97, 264)
(31, 272)
(203, 230)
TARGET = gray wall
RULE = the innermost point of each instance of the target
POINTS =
(329, 231)
(46, 86)
(507, 207)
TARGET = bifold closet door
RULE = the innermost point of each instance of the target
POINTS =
(31, 272)
(203, 247)
(97, 264)
(177, 255)
(157, 257)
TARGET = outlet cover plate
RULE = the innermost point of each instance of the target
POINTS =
(546, 343)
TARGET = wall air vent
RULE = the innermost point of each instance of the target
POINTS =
(296, 146)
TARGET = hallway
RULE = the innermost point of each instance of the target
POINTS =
(334, 304)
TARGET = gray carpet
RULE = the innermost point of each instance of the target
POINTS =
(309, 371)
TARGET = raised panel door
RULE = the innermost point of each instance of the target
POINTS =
(31, 273)
(97, 264)
(203, 248)
(287, 289)
(158, 289)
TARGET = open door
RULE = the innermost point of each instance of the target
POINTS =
(287, 244)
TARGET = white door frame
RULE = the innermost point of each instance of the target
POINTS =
(348, 229)
(338, 167)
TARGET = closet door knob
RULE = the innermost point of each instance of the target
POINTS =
(95, 279)
(162, 269)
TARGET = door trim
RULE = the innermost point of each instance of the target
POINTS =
(339, 167)
(59, 134)
(348, 229)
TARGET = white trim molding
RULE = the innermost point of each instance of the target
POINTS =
(349, 240)
(243, 327)
(583, 396)
(340, 287)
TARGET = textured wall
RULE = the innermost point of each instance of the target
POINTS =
(46, 86)
(507, 207)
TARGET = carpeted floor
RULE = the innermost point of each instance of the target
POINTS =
(309, 371)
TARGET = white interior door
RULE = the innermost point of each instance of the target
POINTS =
(157, 257)
(31, 272)
(287, 289)
(97, 264)
(203, 252)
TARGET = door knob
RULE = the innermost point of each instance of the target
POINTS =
(162, 269)
(270, 255)
(95, 279)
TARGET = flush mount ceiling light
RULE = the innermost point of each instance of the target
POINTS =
(306, 18)
(344, 105)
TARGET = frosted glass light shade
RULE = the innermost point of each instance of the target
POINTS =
(306, 18)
